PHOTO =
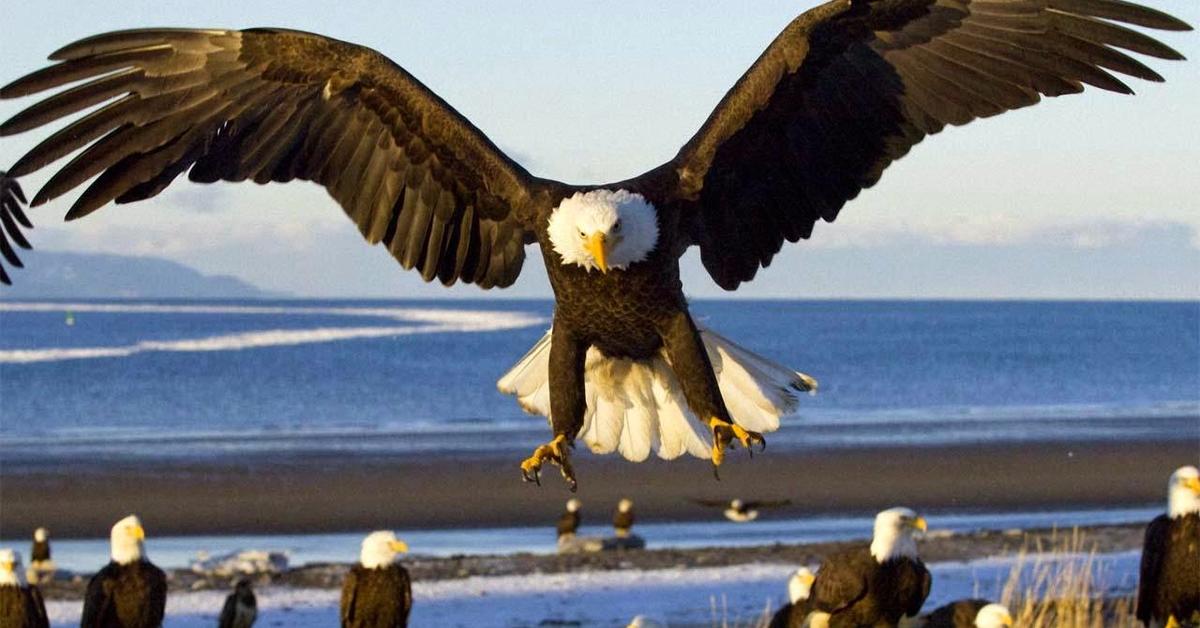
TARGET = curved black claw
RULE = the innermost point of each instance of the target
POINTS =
(557, 452)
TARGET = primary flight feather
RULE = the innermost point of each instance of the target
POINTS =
(847, 88)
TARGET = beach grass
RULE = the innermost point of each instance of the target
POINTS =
(1056, 584)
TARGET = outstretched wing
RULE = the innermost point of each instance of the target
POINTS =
(711, 503)
(12, 218)
(276, 105)
(852, 85)
(767, 503)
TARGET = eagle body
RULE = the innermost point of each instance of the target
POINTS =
(568, 523)
(791, 615)
(376, 598)
(22, 607)
(623, 523)
(132, 595)
(1169, 584)
(960, 614)
(856, 590)
(240, 609)
(40, 551)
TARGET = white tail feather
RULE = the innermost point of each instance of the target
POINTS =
(638, 406)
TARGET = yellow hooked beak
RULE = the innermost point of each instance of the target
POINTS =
(597, 245)
(1007, 620)
(1194, 484)
(808, 579)
(920, 524)
(7, 565)
(398, 546)
(139, 533)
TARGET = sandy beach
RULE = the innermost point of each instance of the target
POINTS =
(360, 492)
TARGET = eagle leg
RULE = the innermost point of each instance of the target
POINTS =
(558, 452)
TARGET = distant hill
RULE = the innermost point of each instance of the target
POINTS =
(56, 275)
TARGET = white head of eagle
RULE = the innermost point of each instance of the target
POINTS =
(127, 537)
(379, 549)
(993, 616)
(10, 568)
(894, 534)
(800, 585)
(1183, 492)
(603, 229)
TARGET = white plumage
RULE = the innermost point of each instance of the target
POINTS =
(634, 407)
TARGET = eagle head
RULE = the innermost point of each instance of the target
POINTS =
(127, 537)
(1183, 492)
(604, 230)
(379, 549)
(10, 568)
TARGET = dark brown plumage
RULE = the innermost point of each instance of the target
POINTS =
(241, 607)
(846, 89)
(568, 523)
(125, 596)
(791, 615)
(960, 614)
(40, 550)
(376, 598)
(22, 607)
(858, 591)
(623, 522)
(1169, 583)
(12, 218)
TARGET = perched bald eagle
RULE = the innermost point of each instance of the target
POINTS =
(568, 522)
(241, 607)
(1169, 584)
(846, 89)
(795, 612)
(21, 605)
(129, 592)
(876, 585)
(41, 563)
(623, 519)
(970, 614)
(377, 592)
(12, 218)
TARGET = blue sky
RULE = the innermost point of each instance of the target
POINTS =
(1090, 196)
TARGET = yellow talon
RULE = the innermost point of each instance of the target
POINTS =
(557, 452)
(723, 435)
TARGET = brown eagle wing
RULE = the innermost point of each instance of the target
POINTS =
(276, 105)
(12, 218)
(851, 85)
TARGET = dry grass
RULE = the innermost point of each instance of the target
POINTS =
(1062, 588)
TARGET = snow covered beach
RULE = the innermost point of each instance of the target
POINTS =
(683, 595)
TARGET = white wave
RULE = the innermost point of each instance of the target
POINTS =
(428, 321)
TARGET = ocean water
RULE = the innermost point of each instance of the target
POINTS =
(179, 379)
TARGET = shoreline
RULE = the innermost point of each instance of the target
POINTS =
(290, 495)
(939, 548)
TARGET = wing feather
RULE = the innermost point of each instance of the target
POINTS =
(277, 105)
(852, 85)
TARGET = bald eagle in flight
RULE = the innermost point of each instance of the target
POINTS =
(847, 88)
(1169, 583)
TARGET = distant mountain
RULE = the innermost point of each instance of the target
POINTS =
(57, 275)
